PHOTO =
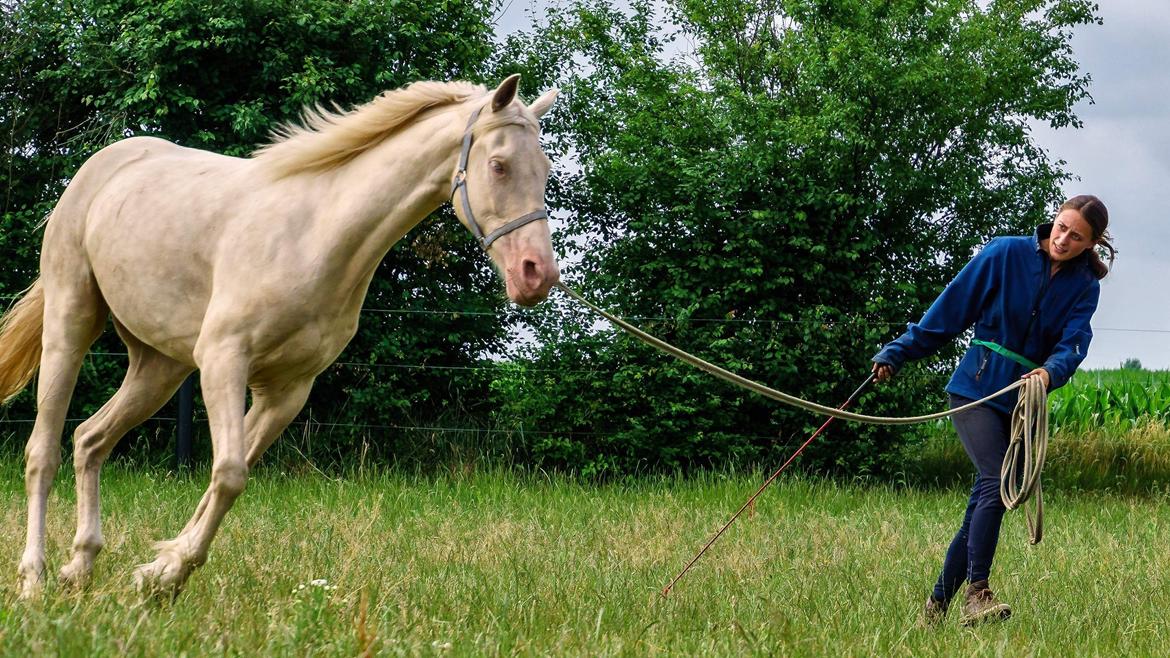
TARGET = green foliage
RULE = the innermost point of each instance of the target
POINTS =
(1131, 364)
(77, 75)
(780, 202)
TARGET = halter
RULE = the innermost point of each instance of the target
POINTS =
(460, 184)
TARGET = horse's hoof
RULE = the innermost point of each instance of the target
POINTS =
(74, 576)
(32, 582)
(31, 590)
(161, 580)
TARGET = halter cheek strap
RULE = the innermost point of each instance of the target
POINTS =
(460, 185)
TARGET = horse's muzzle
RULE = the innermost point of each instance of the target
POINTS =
(529, 282)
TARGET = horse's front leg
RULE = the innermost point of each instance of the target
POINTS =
(273, 408)
(223, 378)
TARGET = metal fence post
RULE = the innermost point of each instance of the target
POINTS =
(186, 422)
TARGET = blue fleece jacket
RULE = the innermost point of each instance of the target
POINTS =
(1007, 294)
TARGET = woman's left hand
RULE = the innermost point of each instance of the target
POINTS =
(1042, 374)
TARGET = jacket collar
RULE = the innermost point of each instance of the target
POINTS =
(1042, 232)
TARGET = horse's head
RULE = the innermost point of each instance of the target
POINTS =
(499, 190)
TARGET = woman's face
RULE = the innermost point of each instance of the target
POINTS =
(1071, 236)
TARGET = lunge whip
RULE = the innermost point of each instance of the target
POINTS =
(750, 501)
(1019, 482)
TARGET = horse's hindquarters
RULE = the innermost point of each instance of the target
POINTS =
(155, 217)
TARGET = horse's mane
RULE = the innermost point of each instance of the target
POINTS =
(326, 139)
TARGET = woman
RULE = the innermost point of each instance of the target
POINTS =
(1030, 300)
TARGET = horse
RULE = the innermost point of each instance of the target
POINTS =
(252, 271)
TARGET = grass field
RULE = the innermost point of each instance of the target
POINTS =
(505, 564)
(475, 563)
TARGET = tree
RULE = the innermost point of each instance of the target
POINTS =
(76, 75)
(780, 202)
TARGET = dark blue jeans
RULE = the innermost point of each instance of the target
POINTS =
(984, 433)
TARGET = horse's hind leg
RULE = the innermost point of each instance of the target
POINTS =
(75, 315)
(151, 379)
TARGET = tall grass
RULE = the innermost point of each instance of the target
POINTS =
(1136, 462)
(492, 564)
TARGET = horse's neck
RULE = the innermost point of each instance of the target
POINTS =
(372, 201)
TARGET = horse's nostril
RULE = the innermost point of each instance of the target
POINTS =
(529, 272)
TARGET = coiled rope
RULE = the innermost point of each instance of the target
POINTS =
(1029, 427)
(1019, 478)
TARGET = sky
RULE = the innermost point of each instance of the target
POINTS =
(1121, 154)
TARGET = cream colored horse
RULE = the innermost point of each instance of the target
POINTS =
(252, 271)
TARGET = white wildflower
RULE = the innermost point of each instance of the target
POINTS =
(320, 583)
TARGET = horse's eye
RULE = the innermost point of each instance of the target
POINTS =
(497, 168)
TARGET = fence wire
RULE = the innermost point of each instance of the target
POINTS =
(662, 318)
(512, 368)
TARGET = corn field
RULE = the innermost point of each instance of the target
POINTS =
(1112, 400)
(1110, 432)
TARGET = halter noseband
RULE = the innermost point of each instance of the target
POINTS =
(460, 184)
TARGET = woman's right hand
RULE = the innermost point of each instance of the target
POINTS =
(883, 370)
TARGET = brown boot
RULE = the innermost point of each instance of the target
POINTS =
(980, 606)
(933, 613)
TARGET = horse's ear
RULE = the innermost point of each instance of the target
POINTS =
(541, 105)
(506, 92)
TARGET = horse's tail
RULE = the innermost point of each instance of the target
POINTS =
(20, 341)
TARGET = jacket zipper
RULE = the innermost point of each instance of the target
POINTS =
(1045, 277)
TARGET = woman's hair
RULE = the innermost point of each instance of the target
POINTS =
(1097, 215)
